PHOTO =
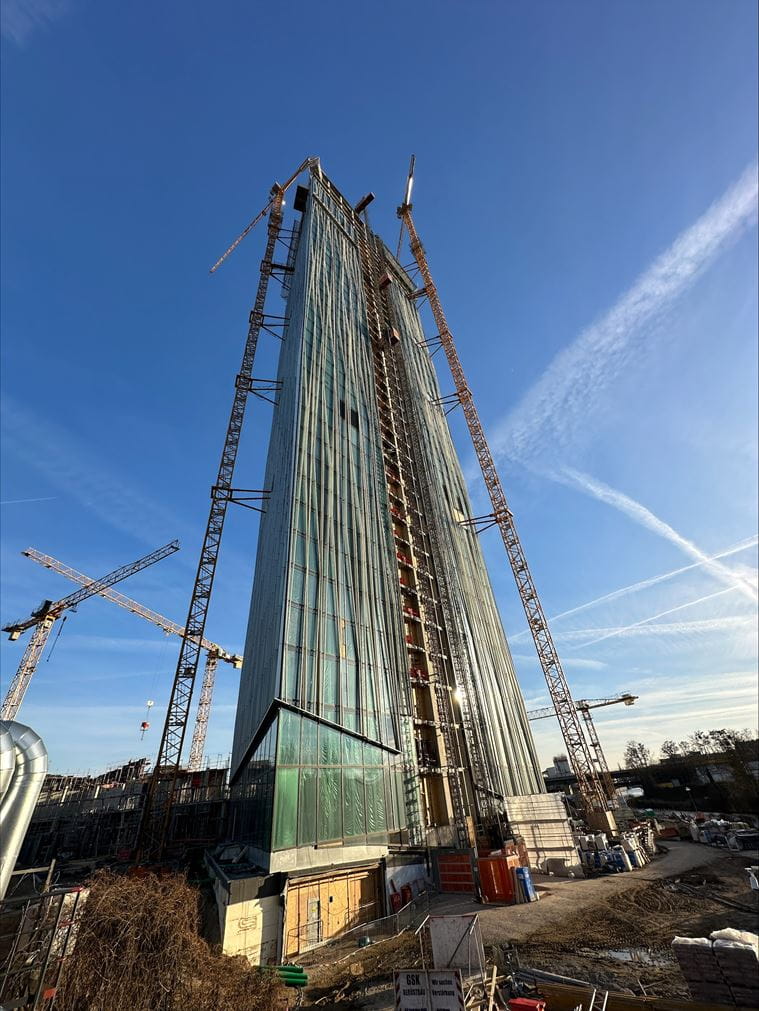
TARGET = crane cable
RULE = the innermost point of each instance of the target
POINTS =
(55, 641)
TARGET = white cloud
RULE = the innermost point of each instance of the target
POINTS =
(731, 623)
(577, 663)
(21, 18)
(118, 644)
(645, 518)
(24, 501)
(645, 584)
(548, 417)
(65, 463)
(661, 614)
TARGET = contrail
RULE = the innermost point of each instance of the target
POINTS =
(672, 628)
(644, 584)
(549, 415)
(640, 514)
(21, 501)
(653, 617)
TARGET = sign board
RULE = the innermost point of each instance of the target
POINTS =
(436, 990)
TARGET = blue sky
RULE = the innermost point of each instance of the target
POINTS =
(586, 191)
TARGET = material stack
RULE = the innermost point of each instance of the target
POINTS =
(722, 968)
(541, 821)
(627, 852)
(524, 890)
(505, 876)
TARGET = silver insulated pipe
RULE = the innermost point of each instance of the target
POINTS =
(23, 765)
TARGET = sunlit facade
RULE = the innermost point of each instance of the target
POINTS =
(363, 699)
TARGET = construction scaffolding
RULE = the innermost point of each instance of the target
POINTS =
(93, 818)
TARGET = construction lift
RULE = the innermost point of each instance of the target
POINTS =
(151, 838)
(46, 615)
(589, 781)
(214, 652)
(583, 707)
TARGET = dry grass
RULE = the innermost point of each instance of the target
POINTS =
(138, 949)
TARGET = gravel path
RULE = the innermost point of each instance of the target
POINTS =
(565, 897)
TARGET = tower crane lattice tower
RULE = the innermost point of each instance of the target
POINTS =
(43, 619)
(214, 652)
(589, 781)
(160, 796)
(583, 707)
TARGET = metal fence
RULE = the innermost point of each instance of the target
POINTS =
(37, 933)
(409, 917)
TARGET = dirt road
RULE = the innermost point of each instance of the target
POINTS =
(616, 931)
(613, 931)
(562, 898)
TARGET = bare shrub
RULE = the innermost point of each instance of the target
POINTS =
(138, 949)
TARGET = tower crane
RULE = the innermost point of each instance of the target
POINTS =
(583, 707)
(46, 615)
(159, 800)
(589, 782)
(214, 652)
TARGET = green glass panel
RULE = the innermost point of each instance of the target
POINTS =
(313, 555)
(285, 809)
(307, 807)
(308, 743)
(330, 805)
(329, 746)
(372, 755)
(313, 585)
(330, 639)
(375, 801)
(291, 674)
(294, 626)
(329, 681)
(351, 751)
(297, 585)
(354, 812)
(400, 814)
(288, 752)
(300, 550)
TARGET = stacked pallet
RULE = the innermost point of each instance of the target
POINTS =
(722, 968)
(627, 852)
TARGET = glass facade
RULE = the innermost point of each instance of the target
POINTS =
(323, 633)
(329, 655)
(309, 784)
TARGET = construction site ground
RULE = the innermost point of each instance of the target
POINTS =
(613, 931)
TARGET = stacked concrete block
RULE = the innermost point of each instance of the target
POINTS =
(699, 966)
(736, 954)
(721, 969)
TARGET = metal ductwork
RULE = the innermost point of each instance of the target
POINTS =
(23, 766)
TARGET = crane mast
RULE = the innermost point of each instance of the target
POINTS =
(160, 795)
(43, 619)
(214, 652)
(583, 707)
(588, 781)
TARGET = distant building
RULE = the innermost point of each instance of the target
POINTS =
(560, 767)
